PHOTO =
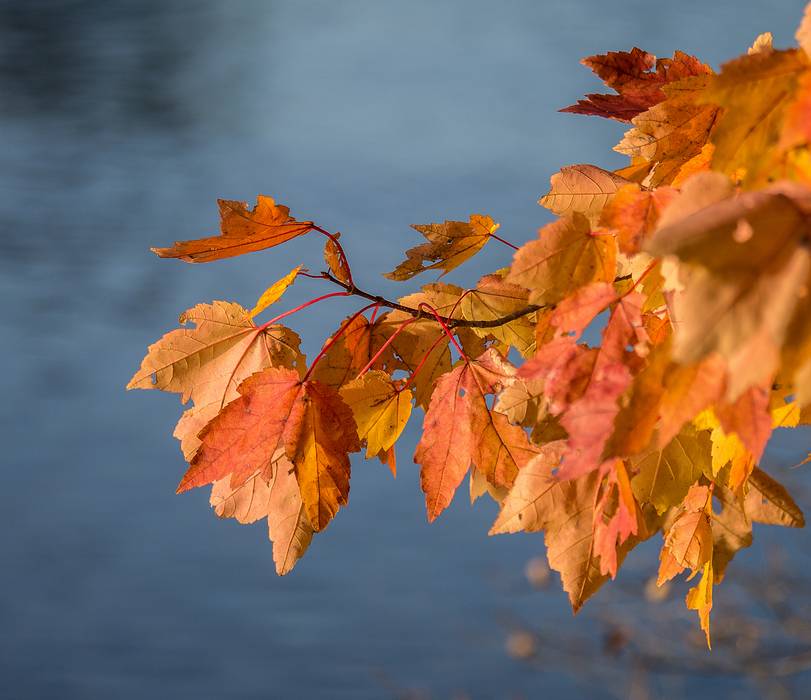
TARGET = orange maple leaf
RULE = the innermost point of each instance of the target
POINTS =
(242, 231)
(460, 430)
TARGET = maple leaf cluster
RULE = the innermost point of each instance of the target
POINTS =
(697, 254)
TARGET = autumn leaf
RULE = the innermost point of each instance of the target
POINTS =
(479, 485)
(449, 245)
(585, 189)
(748, 417)
(564, 510)
(578, 310)
(754, 92)
(664, 476)
(459, 431)
(766, 501)
(615, 515)
(638, 77)
(688, 390)
(634, 214)
(668, 136)
(381, 410)
(522, 401)
(636, 421)
(207, 362)
(742, 267)
(493, 298)
(358, 343)
(241, 231)
(270, 493)
(194, 361)
(770, 503)
(589, 420)
(289, 526)
(688, 543)
(727, 450)
(246, 503)
(335, 260)
(276, 408)
(567, 255)
(731, 530)
(275, 291)
(699, 598)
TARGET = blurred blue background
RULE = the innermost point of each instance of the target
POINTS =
(122, 123)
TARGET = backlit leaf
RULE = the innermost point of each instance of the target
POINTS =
(274, 292)
(242, 231)
(585, 189)
(566, 256)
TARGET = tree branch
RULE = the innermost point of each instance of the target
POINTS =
(420, 313)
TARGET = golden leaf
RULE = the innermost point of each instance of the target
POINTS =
(274, 292)
(380, 410)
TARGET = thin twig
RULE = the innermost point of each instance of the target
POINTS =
(418, 313)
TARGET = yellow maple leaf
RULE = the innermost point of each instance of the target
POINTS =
(275, 291)
(699, 598)
(381, 411)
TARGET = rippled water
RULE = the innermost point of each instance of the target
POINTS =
(122, 123)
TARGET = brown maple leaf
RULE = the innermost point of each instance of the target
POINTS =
(449, 245)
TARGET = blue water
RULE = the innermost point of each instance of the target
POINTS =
(122, 123)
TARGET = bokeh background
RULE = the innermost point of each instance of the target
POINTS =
(122, 122)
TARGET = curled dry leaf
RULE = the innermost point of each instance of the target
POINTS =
(449, 245)
(335, 261)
